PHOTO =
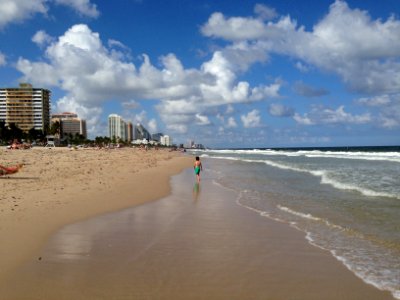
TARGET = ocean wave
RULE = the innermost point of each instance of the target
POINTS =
(345, 186)
(323, 174)
(359, 155)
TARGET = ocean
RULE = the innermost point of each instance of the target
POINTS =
(346, 200)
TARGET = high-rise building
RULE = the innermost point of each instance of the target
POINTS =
(156, 136)
(25, 106)
(141, 133)
(129, 132)
(166, 140)
(116, 127)
(70, 124)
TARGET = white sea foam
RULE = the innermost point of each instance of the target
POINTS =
(299, 214)
(376, 156)
(345, 186)
(323, 174)
(354, 248)
(348, 258)
(389, 283)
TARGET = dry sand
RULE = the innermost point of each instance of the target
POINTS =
(59, 186)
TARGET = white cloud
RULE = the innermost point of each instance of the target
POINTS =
(371, 67)
(303, 120)
(231, 123)
(235, 28)
(152, 126)
(375, 101)
(324, 115)
(177, 128)
(202, 120)
(132, 104)
(265, 12)
(84, 7)
(229, 109)
(389, 116)
(2, 59)
(115, 43)
(388, 107)
(90, 114)
(279, 110)
(81, 65)
(252, 119)
(15, 11)
(302, 67)
(41, 38)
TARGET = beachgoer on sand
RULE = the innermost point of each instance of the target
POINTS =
(9, 170)
(197, 168)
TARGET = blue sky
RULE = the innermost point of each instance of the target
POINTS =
(221, 73)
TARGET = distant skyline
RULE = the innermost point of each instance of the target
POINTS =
(221, 73)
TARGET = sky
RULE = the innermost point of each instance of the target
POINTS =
(227, 73)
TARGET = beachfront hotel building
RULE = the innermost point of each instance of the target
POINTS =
(141, 133)
(166, 140)
(70, 124)
(129, 132)
(117, 127)
(26, 107)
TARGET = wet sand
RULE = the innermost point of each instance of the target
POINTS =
(61, 186)
(196, 243)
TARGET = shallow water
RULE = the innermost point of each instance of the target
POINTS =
(346, 202)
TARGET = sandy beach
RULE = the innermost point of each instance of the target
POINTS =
(195, 243)
(60, 186)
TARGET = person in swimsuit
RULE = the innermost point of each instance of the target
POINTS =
(197, 168)
(9, 170)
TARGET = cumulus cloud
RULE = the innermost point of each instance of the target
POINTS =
(375, 101)
(371, 67)
(325, 115)
(14, 11)
(79, 63)
(231, 123)
(202, 120)
(251, 119)
(142, 118)
(84, 7)
(41, 38)
(17, 11)
(235, 28)
(91, 114)
(279, 110)
(305, 90)
(388, 107)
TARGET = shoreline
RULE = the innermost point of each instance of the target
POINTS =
(192, 244)
(61, 186)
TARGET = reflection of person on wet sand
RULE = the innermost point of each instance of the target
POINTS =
(9, 170)
(196, 191)
(197, 168)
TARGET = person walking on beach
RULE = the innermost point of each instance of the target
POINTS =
(197, 168)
